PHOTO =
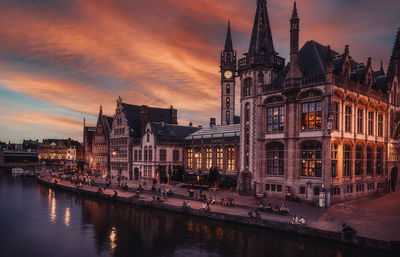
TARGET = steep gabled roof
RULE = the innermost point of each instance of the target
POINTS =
(217, 131)
(171, 132)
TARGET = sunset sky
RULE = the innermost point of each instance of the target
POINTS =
(59, 60)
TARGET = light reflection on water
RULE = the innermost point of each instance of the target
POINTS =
(104, 228)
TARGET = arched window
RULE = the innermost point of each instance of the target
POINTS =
(379, 160)
(275, 158)
(247, 112)
(227, 118)
(228, 89)
(228, 102)
(228, 57)
(370, 156)
(311, 159)
(145, 154)
(189, 155)
(359, 160)
(150, 154)
(347, 161)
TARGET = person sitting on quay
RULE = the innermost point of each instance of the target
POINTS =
(302, 221)
(183, 204)
(115, 194)
(99, 190)
(250, 214)
(295, 219)
(257, 215)
(269, 208)
(276, 209)
(347, 229)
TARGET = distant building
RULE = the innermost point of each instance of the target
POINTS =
(129, 123)
(159, 154)
(60, 153)
(100, 163)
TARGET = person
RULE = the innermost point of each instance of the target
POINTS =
(250, 214)
(295, 219)
(203, 206)
(257, 215)
(302, 221)
(269, 208)
(115, 194)
(276, 209)
(140, 188)
(208, 209)
(183, 204)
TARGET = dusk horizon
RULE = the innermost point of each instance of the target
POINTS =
(61, 60)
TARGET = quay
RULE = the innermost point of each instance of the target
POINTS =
(233, 214)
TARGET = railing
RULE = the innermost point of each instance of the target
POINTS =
(356, 87)
(261, 59)
(289, 84)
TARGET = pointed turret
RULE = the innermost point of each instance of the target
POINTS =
(294, 71)
(101, 110)
(228, 41)
(261, 38)
(381, 70)
(394, 67)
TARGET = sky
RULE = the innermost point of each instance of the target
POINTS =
(60, 60)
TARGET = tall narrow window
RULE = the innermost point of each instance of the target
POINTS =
(360, 121)
(370, 153)
(347, 161)
(247, 87)
(275, 158)
(311, 116)
(189, 155)
(163, 155)
(145, 154)
(228, 117)
(208, 158)
(228, 89)
(359, 161)
(335, 112)
(275, 119)
(220, 158)
(311, 159)
(379, 160)
(228, 102)
(334, 157)
(380, 125)
(150, 154)
(247, 112)
(347, 119)
(370, 123)
(198, 160)
(230, 159)
(175, 155)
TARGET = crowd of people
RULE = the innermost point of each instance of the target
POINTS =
(283, 210)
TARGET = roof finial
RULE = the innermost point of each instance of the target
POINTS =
(294, 13)
(101, 110)
(228, 41)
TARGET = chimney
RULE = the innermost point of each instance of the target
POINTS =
(212, 122)
(174, 115)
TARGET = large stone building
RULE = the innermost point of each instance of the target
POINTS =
(60, 153)
(128, 127)
(322, 122)
(100, 162)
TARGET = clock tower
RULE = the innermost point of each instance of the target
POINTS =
(228, 75)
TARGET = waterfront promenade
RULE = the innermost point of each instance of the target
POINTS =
(320, 222)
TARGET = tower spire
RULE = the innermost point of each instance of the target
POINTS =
(228, 41)
(294, 71)
(261, 37)
(395, 57)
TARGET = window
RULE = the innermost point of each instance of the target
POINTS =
(311, 117)
(267, 187)
(228, 115)
(148, 137)
(370, 123)
(380, 125)
(359, 161)
(273, 186)
(228, 89)
(176, 155)
(360, 121)
(369, 160)
(198, 160)
(189, 155)
(302, 190)
(135, 155)
(163, 155)
(347, 125)
(334, 152)
(145, 154)
(349, 189)
(275, 119)
(228, 102)
(230, 159)
(247, 112)
(379, 160)
(208, 158)
(347, 161)
(311, 159)
(316, 190)
(140, 155)
(275, 158)
(220, 160)
(335, 112)
(247, 87)
(150, 154)
(279, 188)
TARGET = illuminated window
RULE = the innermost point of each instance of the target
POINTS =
(220, 159)
(208, 158)
(198, 160)
(230, 159)
(311, 116)
(311, 159)
(189, 156)
(275, 119)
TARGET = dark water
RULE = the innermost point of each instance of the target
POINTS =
(38, 221)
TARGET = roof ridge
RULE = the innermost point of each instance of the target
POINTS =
(319, 58)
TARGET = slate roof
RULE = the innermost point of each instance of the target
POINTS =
(216, 131)
(134, 117)
(312, 60)
(172, 132)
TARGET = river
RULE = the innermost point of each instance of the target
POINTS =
(38, 221)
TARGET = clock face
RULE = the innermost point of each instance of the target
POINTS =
(228, 74)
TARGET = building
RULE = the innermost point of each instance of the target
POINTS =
(60, 153)
(100, 163)
(213, 147)
(129, 123)
(159, 155)
(88, 136)
(322, 123)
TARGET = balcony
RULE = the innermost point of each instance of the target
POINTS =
(261, 60)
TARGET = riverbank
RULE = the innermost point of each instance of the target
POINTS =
(228, 214)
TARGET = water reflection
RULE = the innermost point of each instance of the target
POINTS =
(67, 216)
(113, 238)
(52, 205)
